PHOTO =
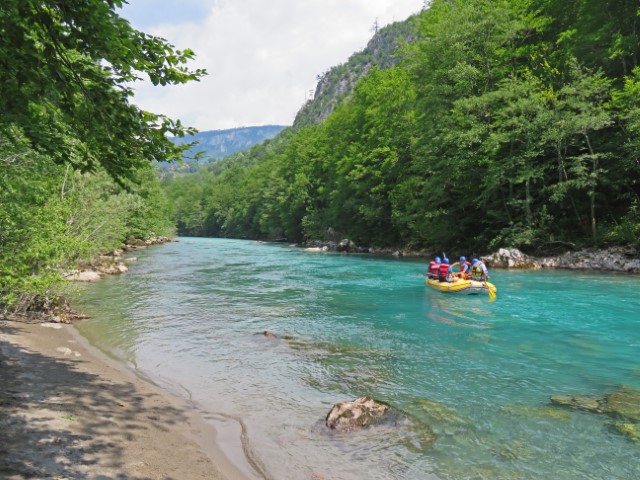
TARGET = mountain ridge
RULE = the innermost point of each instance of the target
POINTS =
(217, 144)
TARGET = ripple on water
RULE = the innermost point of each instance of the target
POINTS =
(477, 374)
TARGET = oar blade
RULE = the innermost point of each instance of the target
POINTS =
(492, 291)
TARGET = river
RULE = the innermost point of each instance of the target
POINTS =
(190, 316)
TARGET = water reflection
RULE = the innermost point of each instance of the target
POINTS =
(459, 311)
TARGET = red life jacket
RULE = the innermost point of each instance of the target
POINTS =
(433, 268)
(443, 269)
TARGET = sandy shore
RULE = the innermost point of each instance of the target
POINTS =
(67, 411)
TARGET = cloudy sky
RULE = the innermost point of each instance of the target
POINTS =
(262, 56)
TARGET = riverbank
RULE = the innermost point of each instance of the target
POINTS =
(67, 411)
(613, 259)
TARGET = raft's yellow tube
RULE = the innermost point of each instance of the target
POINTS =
(465, 287)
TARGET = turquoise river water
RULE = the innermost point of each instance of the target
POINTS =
(477, 373)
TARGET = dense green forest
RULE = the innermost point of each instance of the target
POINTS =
(506, 123)
(77, 174)
(500, 123)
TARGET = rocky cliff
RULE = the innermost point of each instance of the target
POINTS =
(337, 83)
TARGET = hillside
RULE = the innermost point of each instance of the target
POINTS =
(503, 125)
(338, 82)
(217, 144)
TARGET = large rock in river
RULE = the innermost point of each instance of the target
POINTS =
(358, 413)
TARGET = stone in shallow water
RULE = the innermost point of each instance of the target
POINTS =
(579, 402)
(395, 426)
(439, 413)
(624, 403)
(630, 430)
(514, 451)
(537, 411)
(361, 412)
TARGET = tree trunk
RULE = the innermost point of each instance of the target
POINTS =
(594, 164)
(527, 202)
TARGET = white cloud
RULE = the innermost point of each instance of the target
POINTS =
(262, 57)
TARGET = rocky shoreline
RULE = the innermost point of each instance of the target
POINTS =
(613, 259)
(112, 263)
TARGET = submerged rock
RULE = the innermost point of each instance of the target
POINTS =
(622, 405)
(579, 402)
(514, 451)
(625, 403)
(358, 413)
(439, 413)
(539, 411)
(629, 430)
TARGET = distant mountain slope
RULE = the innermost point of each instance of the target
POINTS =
(338, 82)
(217, 144)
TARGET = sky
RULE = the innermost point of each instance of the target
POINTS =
(262, 56)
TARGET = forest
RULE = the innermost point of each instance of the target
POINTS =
(501, 123)
(77, 157)
(509, 123)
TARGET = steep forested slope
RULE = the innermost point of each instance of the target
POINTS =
(508, 123)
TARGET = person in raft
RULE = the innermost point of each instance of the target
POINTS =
(479, 270)
(445, 274)
(463, 271)
(434, 265)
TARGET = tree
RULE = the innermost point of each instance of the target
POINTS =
(66, 69)
(505, 124)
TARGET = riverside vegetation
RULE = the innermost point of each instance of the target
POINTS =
(473, 125)
(509, 123)
(76, 172)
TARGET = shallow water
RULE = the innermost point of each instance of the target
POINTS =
(477, 373)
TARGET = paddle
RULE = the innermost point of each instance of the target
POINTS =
(492, 293)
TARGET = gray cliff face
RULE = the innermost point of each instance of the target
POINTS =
(337, 83)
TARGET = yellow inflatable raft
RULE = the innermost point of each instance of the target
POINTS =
(463, 287)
